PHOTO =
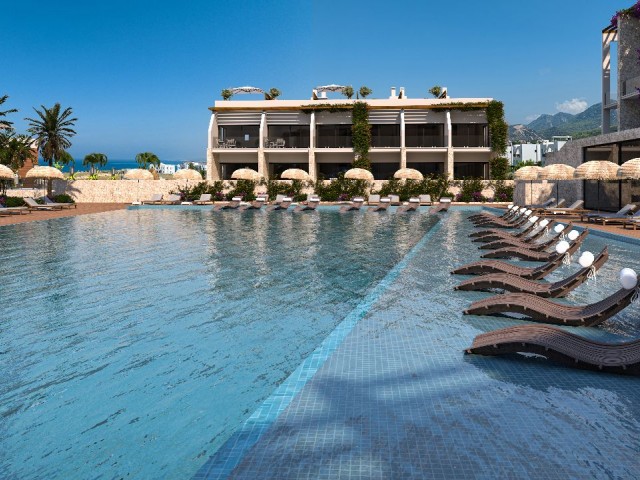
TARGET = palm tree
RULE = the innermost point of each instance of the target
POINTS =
(53, 131)
(146, 159)
(5, 124)
(93, 159)
(16, 151)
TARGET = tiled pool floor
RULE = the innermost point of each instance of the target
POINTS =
(399, 399)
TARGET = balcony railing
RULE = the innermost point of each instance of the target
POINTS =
(334, 142)
(385, 141)
(631, 86)
(279, 142)
(469, 141)
(235, 142)
(424, 141)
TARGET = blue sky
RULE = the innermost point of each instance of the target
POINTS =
(140, 75)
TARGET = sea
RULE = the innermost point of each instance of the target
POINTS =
(111, 165)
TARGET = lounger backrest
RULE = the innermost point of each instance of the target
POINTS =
(358, 199)
(31, 202)
(47, 200)
(263, 196)
(173, 198)
(156, 197)
(279, 198)
(445, 200)
(575, 205)
(313, 198)
(287, 200)
(205, 197)
(374, 198)
(385, 200)
(236, 199)
(394, 198)
(560, 203)
(425, 198)
(627, 208)
(414, 200)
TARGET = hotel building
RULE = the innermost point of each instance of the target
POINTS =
(431, 135)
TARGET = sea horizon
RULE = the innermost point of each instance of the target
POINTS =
(117, 164)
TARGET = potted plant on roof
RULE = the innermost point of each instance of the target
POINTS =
(226, 94)
(272, 94)
(436, 91)
(348, 92)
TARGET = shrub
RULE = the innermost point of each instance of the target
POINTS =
(502, 191)
(470, 190)
(436, 185)
(293, 189)
(190, 194)
(244, 189)
(63, 198)
(11, 201)
(341, 189)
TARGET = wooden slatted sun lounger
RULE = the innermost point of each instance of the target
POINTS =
(520, 243)
(520, 222)
(412, 206)
(542, 310)
(485, 235)
(232, 205)
(533, 255)
(256, 204)
(283, 205)
(383, 206)
(356, 204)
(484, 267)
(312, 203)
(513, 283)
(560, 346)
(502, 235)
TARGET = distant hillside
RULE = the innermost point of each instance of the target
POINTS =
(585, 124)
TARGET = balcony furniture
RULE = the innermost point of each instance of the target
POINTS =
(221, 144)
(230, 143)
(280, 143)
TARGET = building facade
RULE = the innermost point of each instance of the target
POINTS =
(430, 135)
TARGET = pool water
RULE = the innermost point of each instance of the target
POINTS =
(134, 343)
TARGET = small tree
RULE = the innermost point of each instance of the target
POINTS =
(53, 130)
(365, 91)
(274, 93)
(348, 92)
(436, 91)
(499, 167)
(16, 151)
(147, 159)
(95, 159)
(226, 94)
(5, 124)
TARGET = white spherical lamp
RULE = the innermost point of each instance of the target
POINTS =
(533, 219)
(559, 228)
(586, 259)
(562, 247)
(573, 234)
(628, 278)
(544, 223)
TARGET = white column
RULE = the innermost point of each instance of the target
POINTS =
(263, 167)
(448, 165)
(213, 167)
(403, 144)
(313, 166)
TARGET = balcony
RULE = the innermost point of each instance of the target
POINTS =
(631, 87)
(235, 142)
(292, 142)
(425, 141)
(385, 141)
(338, 141)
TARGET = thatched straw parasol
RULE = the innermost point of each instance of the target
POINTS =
(6, 172)
(138, 174)
(630, 170)
(597, 170)
(528, 173)
(44, 172)
(295, 174)
(557, 171)
(359, 174)
(187, 174)
(408, 173)
(246, 174)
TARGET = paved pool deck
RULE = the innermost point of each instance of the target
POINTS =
(398, 398)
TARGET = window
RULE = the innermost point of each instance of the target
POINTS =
(424, 135)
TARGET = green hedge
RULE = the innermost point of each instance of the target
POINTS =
(435, 185)
(341, 189)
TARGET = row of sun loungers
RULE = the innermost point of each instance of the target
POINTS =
(528, 297)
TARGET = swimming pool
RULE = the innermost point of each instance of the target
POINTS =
(133, 343)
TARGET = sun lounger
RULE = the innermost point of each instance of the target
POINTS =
(395, 199)
(383, 206)
(514, 283)
(156, 199)
(631, 223)
(284, 204)
(510, 212)
(533, 255)
(496, 233)
(545, 204)
(560, 346)
(263, 196)
(373, 199)
(425, 199)
(517, 223)
(172, 199)
(33, 205)
(279, 199)
(205, 199)
(622, 213)
(14, 210)
(256, 204)
(232, 205)
(525, 235)
(528, 242)
(412, 206)
(546, 311)
(356, 204)
(483, 267)
(51, 203)
(312, 203)
(617, 219)
(574, 208)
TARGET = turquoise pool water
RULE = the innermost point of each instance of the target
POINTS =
(133, 343)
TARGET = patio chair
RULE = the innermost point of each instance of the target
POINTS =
(280, 143)
(14, 210)
(514, 283)
(484, 267)
(412, 206)
(232, 205)
(356, 204)
(373, 199)
(425, 199)
(51, 203)
(156, 199)
(395, 199)
(546, 311)
(383, 206)
(33, 205)
(205, 199)
(283, 205)
(622, 214)
(560, 346)
(534, 255)
(631, 222)
(528, 242)
(172, 199)
(312, 203)
(575, 207)
(617, 219)
(230, 143)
